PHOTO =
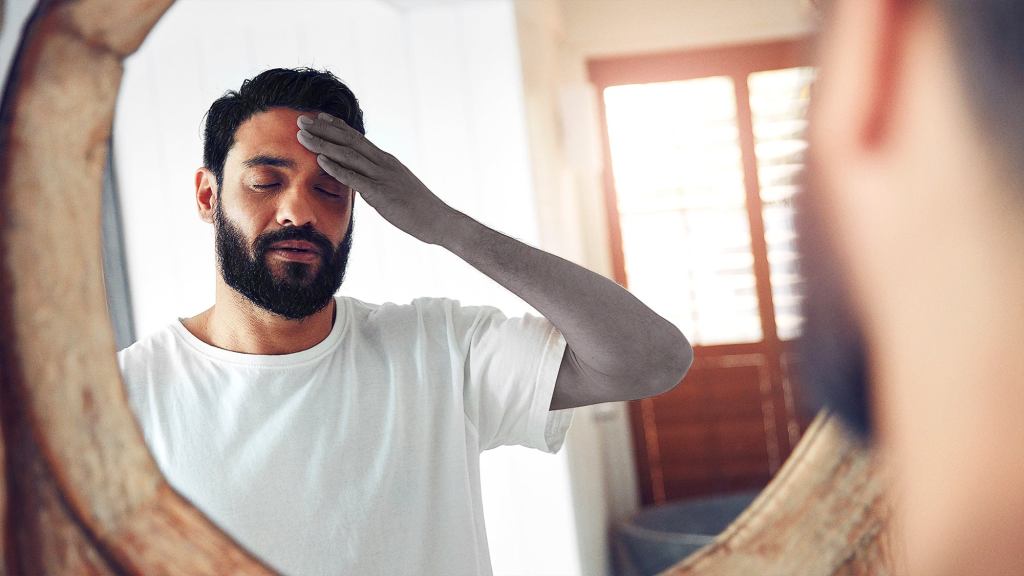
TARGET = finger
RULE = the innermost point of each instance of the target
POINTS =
(339, 153)
(337, 130)
(346, 176)
(337, 126)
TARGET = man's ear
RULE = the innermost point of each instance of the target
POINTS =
(857, 89)
(206, 194)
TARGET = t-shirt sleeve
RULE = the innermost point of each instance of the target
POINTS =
(509, 372)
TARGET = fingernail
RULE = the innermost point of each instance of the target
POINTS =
(305, 120)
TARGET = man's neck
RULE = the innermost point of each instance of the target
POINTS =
(236, 324)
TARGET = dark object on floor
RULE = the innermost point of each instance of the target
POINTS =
(658, 537)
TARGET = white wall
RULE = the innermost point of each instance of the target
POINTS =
(16, 12)
(556, 40)
(614, 27)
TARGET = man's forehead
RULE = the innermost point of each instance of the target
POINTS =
(268, 139)
(270, 131)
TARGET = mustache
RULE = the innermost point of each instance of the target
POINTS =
(307, 233)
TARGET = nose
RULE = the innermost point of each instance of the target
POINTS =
(295, 208)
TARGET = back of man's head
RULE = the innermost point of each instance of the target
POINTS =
(913, 254)
(302, 89)
(987, 38)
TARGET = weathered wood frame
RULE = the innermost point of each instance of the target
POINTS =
(83, 494)
(80, 492)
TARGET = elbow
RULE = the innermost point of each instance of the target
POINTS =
(685, 358)
(676, 362)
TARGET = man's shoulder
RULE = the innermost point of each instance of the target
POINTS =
(145, 348)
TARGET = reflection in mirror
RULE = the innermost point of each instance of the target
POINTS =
(490, 105)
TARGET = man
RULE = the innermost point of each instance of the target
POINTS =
(333, 436)
(918, 154)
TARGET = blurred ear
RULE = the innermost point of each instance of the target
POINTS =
(860, 57)
(206, 194)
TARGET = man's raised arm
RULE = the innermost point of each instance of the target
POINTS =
(616, 347)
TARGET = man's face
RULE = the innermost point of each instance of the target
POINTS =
(283, 226)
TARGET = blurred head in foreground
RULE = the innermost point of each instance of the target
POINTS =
(914, 247)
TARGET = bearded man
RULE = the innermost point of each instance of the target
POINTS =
(333, 436)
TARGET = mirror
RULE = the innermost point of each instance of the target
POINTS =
(61, 446)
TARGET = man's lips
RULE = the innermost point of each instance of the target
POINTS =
(295, 246)
(295, 250)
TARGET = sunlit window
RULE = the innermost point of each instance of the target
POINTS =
(679, 181)
(778, 104)
(678, 167)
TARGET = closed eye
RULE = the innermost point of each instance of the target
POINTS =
(275, 184)
(329, 193)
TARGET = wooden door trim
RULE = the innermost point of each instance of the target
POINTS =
(734, 60)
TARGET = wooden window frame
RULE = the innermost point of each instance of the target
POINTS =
(737, 63)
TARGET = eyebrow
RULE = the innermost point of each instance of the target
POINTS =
(276, 161)
(268, 160)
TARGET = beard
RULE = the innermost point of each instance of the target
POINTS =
(833, 356)
(299, 289)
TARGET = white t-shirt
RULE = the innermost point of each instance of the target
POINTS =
(360, 455)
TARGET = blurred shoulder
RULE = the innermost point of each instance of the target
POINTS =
(147, 348)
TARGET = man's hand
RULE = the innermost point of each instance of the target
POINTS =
(384, 182)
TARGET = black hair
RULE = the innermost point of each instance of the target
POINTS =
(301, 89)
(833, 365)
(989, 39)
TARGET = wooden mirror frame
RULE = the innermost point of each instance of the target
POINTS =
(81, 494)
